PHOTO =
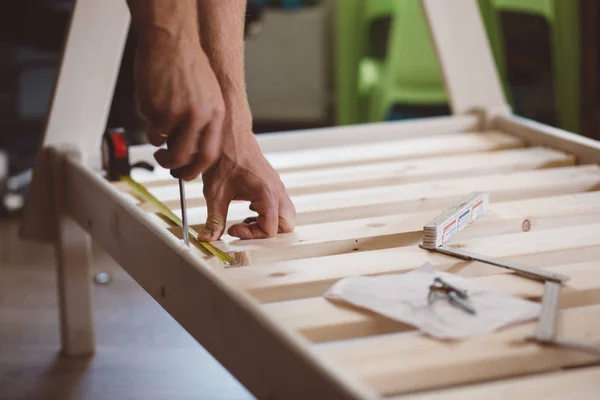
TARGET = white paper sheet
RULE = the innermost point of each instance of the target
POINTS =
(403, 297)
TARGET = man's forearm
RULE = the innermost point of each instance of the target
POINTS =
(158, 21)
(222, 37)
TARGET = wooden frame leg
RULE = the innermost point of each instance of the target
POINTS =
(73, 261)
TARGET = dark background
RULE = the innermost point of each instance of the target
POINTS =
(32, 34)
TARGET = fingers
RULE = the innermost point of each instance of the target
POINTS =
(214, 227)
(158, 131)
(209, 149)
(275, 215)
(183, 142)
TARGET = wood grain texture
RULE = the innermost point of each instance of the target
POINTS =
(389, 173)
(428, 363)
(226, 321)
(398, 230)
(415, 197)
(577, 383)
(322, 320)
(73, 263)
(587, 150)
(311, 277)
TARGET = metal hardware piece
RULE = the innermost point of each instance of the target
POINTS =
(456, 296)
(184, 219)
(531, 272)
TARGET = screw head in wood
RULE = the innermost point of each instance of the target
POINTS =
(102, 278)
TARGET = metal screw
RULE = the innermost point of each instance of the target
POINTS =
(102, 278)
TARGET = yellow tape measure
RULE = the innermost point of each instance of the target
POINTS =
(145, 195)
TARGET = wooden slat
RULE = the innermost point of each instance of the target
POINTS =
(372, 152)
(580, 383)
(414, 197)
(344, 135)
(310, 277)
(403, 362)
(464, 53)
(587, 150)
(343, 155)
(407, 229)
(322, 320)
(389, 173)
(366, 133)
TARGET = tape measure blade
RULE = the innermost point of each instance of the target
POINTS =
(144, 194)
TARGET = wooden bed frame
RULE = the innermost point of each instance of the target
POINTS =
(363, 194)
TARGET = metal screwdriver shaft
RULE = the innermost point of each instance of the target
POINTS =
(184, 220)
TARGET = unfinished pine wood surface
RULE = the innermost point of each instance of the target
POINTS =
(310, 277)
(322, 320)
(224, 320)
(413, 197)
(363, 214)
(398, 230)
(73, 262)
(387, 173)
(403, 362)
(576, 383)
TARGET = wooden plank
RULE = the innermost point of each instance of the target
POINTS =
(74, 269)
(587, 150)
(81, 99)
(269, 360)
(311, 277)
(321, 320)
(580, 383)
(404, 148)
(466, 60)
(389, 173)
(407, 229)
(414, 197)
(403, 362)
(344, 155)
(316, 138)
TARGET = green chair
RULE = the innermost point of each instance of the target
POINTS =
(563, 17)
(368, 87)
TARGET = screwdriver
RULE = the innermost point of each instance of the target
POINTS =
(184, 220)
(182, 201)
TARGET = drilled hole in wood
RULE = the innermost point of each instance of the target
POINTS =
(526, 225)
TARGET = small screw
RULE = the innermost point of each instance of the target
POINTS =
(102, 278)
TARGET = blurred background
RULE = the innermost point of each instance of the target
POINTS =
(314, 63)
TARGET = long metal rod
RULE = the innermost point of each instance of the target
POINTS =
(531, 272)
(184, 219)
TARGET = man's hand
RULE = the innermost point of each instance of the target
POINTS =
(176, 88)
(243, 173)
